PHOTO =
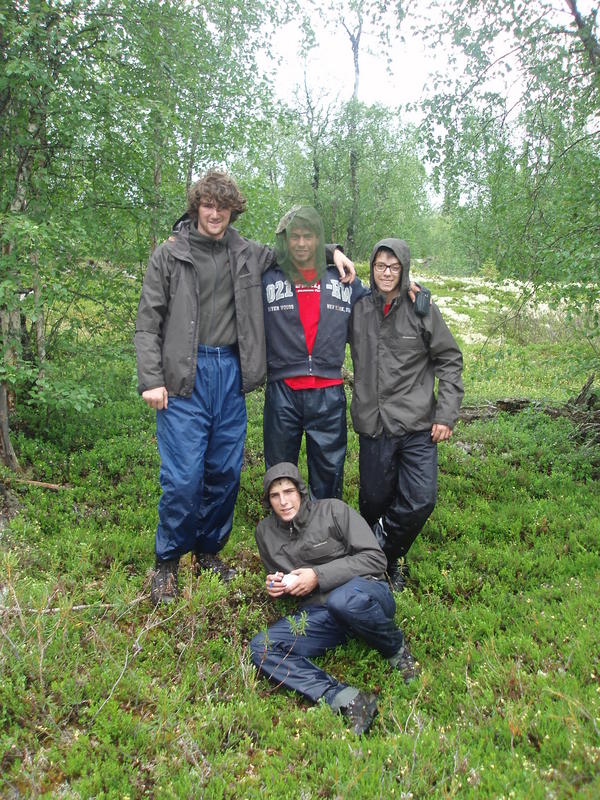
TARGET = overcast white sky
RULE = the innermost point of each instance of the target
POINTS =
(330, 68)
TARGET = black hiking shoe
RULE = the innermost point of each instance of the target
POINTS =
(397, 573)
(405, 664)
(360, 712)
(208, 562)
(164, 581)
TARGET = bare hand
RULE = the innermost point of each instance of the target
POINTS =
(156, 398)
(307, 582)
(413, 290)
(344, 266)
(274, 586)
(440, 433)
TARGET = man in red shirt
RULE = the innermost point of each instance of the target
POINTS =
(306, 310)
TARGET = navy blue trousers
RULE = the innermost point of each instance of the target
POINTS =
(363, 608)
(321, 415)
(398, 481)
(201, 444)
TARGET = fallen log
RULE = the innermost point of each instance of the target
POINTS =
(42, 484)
(584, 409)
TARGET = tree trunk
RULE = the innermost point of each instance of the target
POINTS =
(157, 177)
(354, 37)
(585, 33)
(191, 160)
(10, 332)
(351, 232)
(10, 317)
(156, 182)
(316, 125)
(7, 454)
(40, 336)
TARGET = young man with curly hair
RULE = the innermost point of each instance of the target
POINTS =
(200, 346)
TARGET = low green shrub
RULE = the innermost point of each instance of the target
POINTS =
(103, 696)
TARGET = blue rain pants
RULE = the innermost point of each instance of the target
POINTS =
(398, 483)
(362, 607)
(201, 444)
(321, 415)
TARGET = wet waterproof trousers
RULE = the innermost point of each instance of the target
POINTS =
(321, 415)
(398, 483)
(362, 607)
(201, 444)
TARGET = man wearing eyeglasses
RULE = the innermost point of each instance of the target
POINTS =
(398, 354)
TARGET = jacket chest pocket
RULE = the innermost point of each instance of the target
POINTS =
(406, 345)
(246, 279)
(322, 552)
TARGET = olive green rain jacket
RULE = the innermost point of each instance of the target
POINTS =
(167, 325)
(325, 535)
(397, 358)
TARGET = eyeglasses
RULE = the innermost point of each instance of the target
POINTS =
(379, 266)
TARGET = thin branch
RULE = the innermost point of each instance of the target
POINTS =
(135, 650)
(54, 486)
(16, 609)
(114, 686)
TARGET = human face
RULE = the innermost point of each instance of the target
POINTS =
(212, 219)
(302, 246)
(387, 283)
(284, 498)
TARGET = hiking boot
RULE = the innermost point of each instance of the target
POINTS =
(208, 562)
(360, 712)
(164, 581)
(406, 665)
(397, 573)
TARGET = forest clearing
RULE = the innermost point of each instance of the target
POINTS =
(104, 696)
(471, 130)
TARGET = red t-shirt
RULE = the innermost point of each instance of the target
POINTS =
(309, 308)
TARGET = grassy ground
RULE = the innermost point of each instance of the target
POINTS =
(103, 696)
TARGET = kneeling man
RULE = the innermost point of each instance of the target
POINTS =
(325, 554)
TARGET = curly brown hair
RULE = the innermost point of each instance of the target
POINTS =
(219, 188)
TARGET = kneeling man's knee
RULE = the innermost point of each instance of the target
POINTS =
(347, 600)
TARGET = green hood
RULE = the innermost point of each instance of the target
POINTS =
(300, 217)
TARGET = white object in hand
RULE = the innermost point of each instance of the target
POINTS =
(289, 580)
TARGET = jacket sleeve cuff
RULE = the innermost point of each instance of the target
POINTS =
(153, 384)
(325, 583)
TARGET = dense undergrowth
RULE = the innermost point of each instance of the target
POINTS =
(103, 696)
